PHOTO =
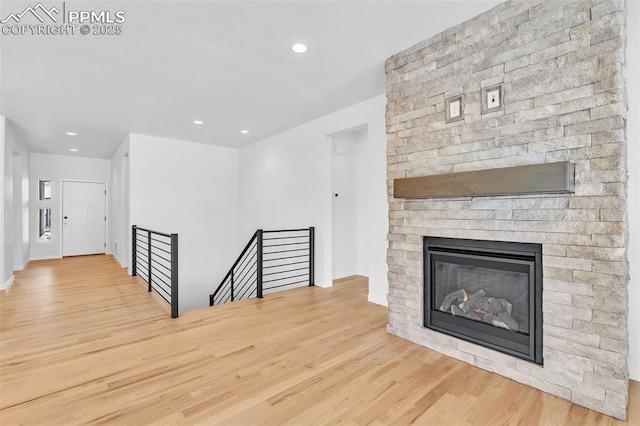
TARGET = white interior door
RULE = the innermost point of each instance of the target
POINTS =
(83, 218)
(344, 220)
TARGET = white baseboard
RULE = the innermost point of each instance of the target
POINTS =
(377, 300)
(23, 266)
(6, 285)
(324, 284)
(115, 256)
(45, 258)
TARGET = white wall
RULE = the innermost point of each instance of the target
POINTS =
(20, 199)
(57, 168)
(633, 147)
(7, 259)
(120, 224)
(2, 207)
(285, 182)
(190, 189)
(16, 203)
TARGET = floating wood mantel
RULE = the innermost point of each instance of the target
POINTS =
(550, 178)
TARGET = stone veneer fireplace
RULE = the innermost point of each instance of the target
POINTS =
(561, 65)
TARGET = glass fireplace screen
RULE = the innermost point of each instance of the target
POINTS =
(494, 296)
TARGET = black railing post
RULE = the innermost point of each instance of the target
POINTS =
(174, 275)
(211, 300)
(232, 282)
(134, 248)
(259, 264)
(149, 257)
(312, 254)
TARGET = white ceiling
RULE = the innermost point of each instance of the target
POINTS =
(227, 63)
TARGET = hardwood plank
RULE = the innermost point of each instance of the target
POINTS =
(81, 342)
(556, 178)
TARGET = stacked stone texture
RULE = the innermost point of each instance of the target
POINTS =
(562, 66)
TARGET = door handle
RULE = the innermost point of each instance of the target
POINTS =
(66, 217)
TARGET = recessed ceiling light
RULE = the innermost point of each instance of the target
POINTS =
(198, 122)
(71, 133)
(299, 48)
(73, 149)
(244, 132)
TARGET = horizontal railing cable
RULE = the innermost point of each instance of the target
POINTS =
(284, 264)
(287, 285)
(286, 244)
(285, 238)
(285, 278)
(285, 230)
(288, 270)
(161, 242)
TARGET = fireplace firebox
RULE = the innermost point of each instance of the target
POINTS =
(485, 292)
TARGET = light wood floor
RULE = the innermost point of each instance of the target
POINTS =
(83, 343)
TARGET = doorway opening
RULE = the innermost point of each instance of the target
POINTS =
(19, 213)
(350, 204)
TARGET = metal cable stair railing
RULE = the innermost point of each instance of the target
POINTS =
(154, 257)
(272, 260)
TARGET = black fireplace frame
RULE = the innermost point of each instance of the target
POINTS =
(524, 255)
